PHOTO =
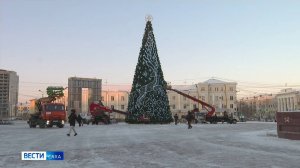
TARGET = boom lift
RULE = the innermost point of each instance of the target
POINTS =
(100, 113)
(210, 109)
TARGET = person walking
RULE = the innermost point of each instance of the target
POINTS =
(176, 118)
(189, 119)
(72, 118)
(79, 120)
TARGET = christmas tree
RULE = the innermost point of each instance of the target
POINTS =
(148, 97)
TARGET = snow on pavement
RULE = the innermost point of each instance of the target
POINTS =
(250, 144)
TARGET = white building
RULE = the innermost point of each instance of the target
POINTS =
(288, 100)
(219, 94)
(116, 99)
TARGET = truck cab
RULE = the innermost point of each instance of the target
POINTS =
(54, 114)
(47, 115)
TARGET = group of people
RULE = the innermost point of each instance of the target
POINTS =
(72, 120)
(189, 117)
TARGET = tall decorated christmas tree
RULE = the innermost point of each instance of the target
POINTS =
(148, 97)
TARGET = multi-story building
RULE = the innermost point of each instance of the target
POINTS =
(179, 104)
(117, 100)
(288, 100)
(222, 95)
(219, 94)
(82, 92)
(9, 90)
(261, 107)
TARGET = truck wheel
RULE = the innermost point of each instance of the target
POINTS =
(60, 126)
(234, 121)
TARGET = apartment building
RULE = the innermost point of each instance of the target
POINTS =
(9, 90)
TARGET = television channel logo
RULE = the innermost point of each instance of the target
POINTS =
(42, 155)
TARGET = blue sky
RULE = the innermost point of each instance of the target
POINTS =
(246, 41)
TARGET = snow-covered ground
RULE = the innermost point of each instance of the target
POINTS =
(250, 144)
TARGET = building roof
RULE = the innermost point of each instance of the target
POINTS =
(215, 81)
(210, 81)
(184, 87)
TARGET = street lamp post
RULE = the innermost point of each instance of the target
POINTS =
(41, 92)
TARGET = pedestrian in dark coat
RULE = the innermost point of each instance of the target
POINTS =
(189, 119)
(79, 120)
(176, 119)
(72, 119)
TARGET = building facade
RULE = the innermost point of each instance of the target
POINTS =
(9, 90)
(261, 107)
(288, 100)
(82, 92)
(221, 95)
(117, 100)
(179, 104)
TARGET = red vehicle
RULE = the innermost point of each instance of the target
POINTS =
(100, 113)
(47, 114)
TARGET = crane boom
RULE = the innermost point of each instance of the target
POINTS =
(208, 107)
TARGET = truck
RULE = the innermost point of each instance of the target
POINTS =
(47, 113)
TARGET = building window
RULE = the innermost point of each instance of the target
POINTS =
(216, 89)
(216, 98)
(231, 106)
(231, 88)
(173, 106)
(112, 98)
(184, 106)
(203, 98)
(174, 97)
(209, 88)
(122, 107)
(231, 97)
(221, 89)
(202, 88)
(122, 98)
(102, 98)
